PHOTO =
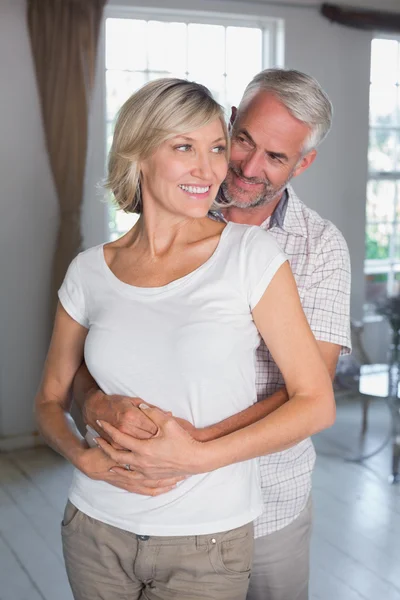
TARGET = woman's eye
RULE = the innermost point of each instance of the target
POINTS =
(219, 149)
(183, 147)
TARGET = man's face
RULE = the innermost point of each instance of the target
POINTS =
(267, 151)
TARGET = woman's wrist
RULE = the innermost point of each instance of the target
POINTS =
(76, 455)
(207, 457)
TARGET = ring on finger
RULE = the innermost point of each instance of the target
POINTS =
(127, 467)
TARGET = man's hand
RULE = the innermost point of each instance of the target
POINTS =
(97, 465)
(121, 411)
(172, 452)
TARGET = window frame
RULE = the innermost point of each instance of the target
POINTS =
(386, 266)
(272, 54)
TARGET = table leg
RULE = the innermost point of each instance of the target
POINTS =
(395, 409)
(366, 403)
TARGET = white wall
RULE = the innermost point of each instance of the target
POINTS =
(27, 227)
(338, 57)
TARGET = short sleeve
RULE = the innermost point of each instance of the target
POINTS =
(262, 259)
(326, 302)
(71, 294)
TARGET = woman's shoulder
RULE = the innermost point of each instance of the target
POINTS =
(86, 261)
(253, 237)
(88, 256)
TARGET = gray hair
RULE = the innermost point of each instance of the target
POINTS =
(301, 94)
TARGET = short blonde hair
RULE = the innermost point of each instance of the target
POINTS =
(157, 112)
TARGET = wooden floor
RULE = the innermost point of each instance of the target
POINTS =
(356, 540)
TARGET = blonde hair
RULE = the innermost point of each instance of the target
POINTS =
(157, 112)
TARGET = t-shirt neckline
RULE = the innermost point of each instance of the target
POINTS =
(127, 288)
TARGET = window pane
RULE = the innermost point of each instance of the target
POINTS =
(126, 46)
(152, 76)
(240, 40)
(384, 62)
(239, 71)
(383, 149)
(378, 240)
(235, 87)
(157, 33)
(119, 221)
(206, 50)
(396, 243)
(215, 83)
(384, 106)
(124, 221)
(121, 85)
(376, 288)
(167, 47)
(380, 201)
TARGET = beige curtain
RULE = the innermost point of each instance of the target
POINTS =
(64, 36)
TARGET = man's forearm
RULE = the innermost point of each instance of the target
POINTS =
(288, 425)
(83, 386)
(246, 417)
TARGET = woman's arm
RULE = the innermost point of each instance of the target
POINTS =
(52, 405)
(53, 399)
(310, 408)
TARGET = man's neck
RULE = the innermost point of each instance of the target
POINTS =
(251, 216)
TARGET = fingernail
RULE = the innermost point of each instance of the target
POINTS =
(143, 406)
(112, 471)
(99, 424)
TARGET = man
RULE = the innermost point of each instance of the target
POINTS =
(282, 118)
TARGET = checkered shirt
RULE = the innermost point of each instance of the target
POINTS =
(320, 262)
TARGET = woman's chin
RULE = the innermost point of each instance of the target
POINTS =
(196, 210)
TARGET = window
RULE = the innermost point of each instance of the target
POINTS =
(223, 54)
(382, 265)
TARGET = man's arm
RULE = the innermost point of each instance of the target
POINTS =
(120, 411)
(329, 352)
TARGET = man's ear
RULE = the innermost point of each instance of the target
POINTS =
(233, 117)
(305, 162)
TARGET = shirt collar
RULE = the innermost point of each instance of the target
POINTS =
(288, 215)
(294, 221)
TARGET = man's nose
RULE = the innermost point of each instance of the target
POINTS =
(251, 166)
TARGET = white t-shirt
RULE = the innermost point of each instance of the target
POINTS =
(188, 347)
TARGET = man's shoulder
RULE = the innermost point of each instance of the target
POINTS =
(318, 230)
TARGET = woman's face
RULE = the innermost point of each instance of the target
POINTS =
(183, 175)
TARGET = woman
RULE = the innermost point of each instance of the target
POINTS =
(172, 313)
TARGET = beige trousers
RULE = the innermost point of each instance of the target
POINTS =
(107, 563)
(281, 563)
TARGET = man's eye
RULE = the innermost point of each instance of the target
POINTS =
(183, 147)
(274, 158)
(219, 149)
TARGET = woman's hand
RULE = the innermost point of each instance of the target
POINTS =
(171, 452)
(97, 465)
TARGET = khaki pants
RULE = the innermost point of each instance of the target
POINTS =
(281, 563)
(107, 563)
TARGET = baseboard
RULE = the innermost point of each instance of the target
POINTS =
(20, 442)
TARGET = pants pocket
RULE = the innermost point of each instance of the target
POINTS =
(70, 517)
(232, 553)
